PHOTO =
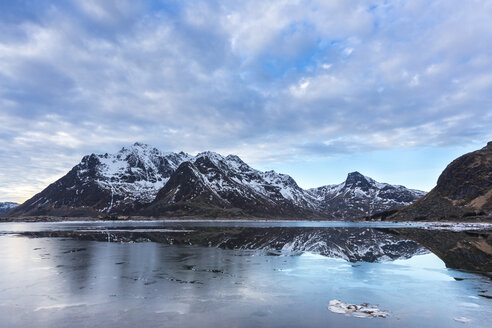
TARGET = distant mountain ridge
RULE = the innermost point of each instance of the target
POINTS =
(141, 180)
(360, 195)
(7, 206)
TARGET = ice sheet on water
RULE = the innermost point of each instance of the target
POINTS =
(363, 310)
(462, 319)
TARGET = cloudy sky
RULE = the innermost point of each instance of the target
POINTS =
(312, 88)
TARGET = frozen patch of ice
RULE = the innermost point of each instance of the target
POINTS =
(462, 319)
(469, 305)
(135, 230)
(312, 255)
(364, 310)
(58, 306)
(456, 226)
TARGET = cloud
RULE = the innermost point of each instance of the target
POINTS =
(270, 80)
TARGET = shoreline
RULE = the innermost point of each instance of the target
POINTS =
(217, 219)
(439, 225)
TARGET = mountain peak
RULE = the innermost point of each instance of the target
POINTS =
(215, 158)
(235, 158)
(139, 149)
(210, 154)
(357, 179)
(141, 146)
(355, 174)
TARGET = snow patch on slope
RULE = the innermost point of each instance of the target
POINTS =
(138, 172)
(252, 183)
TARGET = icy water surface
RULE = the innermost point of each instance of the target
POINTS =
(8, 227)
(68, 282)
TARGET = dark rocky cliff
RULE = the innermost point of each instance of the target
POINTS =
(463, 192)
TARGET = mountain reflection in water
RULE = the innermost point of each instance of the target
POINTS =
(189, 275)
(350, 244)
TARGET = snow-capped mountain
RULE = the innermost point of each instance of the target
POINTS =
(141, 180)
(136, 173)
(359, 195)
(210, 182)
(7, 206)
(107, 183)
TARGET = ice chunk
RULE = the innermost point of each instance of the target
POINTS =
(364, 310)
(462, 319)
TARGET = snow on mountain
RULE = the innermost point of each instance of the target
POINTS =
(137, 173)
(7, 206)
(271, 185)
(360, 195)
(107, 183)
(143, 180)
(211, 182)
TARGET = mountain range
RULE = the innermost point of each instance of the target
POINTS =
(141, 180)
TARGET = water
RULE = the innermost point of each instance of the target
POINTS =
(8, 227)
(61, 282)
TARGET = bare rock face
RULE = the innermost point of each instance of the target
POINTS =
(463, 191)
(468, 177)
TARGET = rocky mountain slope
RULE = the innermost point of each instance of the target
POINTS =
(213, 183)
(463, 191)
(7, 206)
(141, 180)
(360, 195)
(106, 183)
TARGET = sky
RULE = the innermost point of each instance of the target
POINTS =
(314, 88)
